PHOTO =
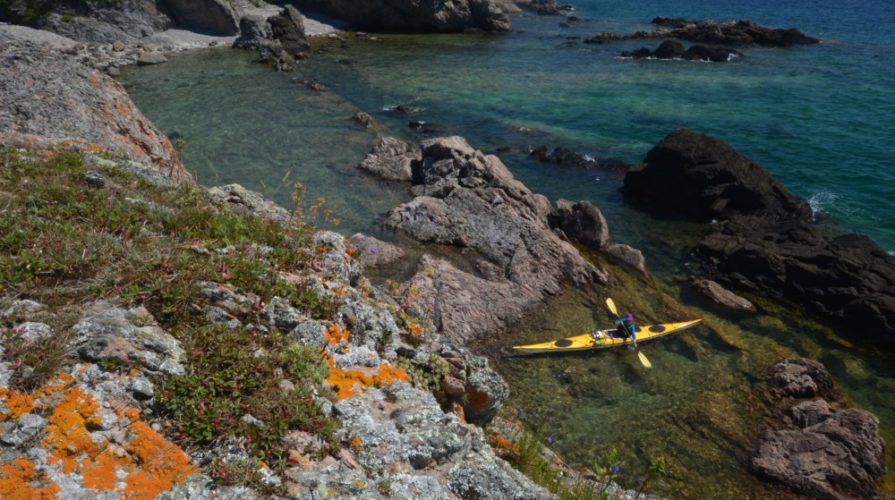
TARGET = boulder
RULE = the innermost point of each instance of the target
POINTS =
(801, 378)
(670, 49)
(471, 201)
(817, 447)
(373, 252)
(151, 58)
(581, 222)
(419, 16)
(289, 28)
(705, 178)
(391, 159)
(840, 457)
(108, 332)
(769, 242)
(215, 17)
(254, 33)
(243, 201)
(363, 119)
(710, 53)
(627, 256)
(721, 296)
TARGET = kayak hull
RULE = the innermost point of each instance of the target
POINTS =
(604, 339)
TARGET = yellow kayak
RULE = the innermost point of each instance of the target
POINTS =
(604, 339)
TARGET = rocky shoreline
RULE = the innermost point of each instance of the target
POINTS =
(412, 423)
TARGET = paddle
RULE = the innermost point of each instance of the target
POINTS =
(642, 357)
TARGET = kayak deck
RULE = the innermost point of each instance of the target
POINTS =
(604, 339)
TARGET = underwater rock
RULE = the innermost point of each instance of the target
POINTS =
(628, 256)
(819, 448)
(363, 119)
(721, 296)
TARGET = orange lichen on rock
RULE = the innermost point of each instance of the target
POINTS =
(162, 464)
(16, 480)
(17, 403)
(335, 334)
(67, 435)
(346, 381)
(101, 474)
(499, 441)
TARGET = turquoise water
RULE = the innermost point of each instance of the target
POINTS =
(821, 118)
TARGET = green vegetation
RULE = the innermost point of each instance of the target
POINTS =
(66, 244)
(237, 373)
(530, 460)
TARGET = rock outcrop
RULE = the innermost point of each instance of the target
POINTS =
(671, 49)
(420, 16)
(767, 240)
(217, 17)
(819, 449)
(279, 39)
(470, 201)
(743, 33)
(391, 159)
(568, 158)
(45, 97)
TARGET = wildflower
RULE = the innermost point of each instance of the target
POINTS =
(549, 439)
(615, 470)
(638, 481)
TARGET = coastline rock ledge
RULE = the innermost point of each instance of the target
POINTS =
(418, 16)
(766, 240)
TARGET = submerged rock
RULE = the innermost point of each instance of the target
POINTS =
(821, 449)
(721, 296)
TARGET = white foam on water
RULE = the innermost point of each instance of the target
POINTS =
(820, 201)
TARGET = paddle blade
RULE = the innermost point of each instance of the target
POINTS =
(611, 305)
(643, 360)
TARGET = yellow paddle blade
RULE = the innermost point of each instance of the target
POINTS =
(642, 358)
(611, 305)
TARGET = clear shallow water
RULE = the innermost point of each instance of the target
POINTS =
(821, 118)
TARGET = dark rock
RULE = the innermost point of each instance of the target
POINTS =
(420, 16)
(254, 33)
(363, 119)
(581, 222)
(742, 33)
(406, 110)
(289, 28)
(710, 53)
(310, 84)
(94, 179)
(769, 243)
(568, 158)
(548, 7)
(216, 17)
(641, 53)
(705, 178)
(391, 159)
(721, 296)
(670, 49)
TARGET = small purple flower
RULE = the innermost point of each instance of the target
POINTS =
(615, 470)
(549, 439)
(638, 481)
(373, 250)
